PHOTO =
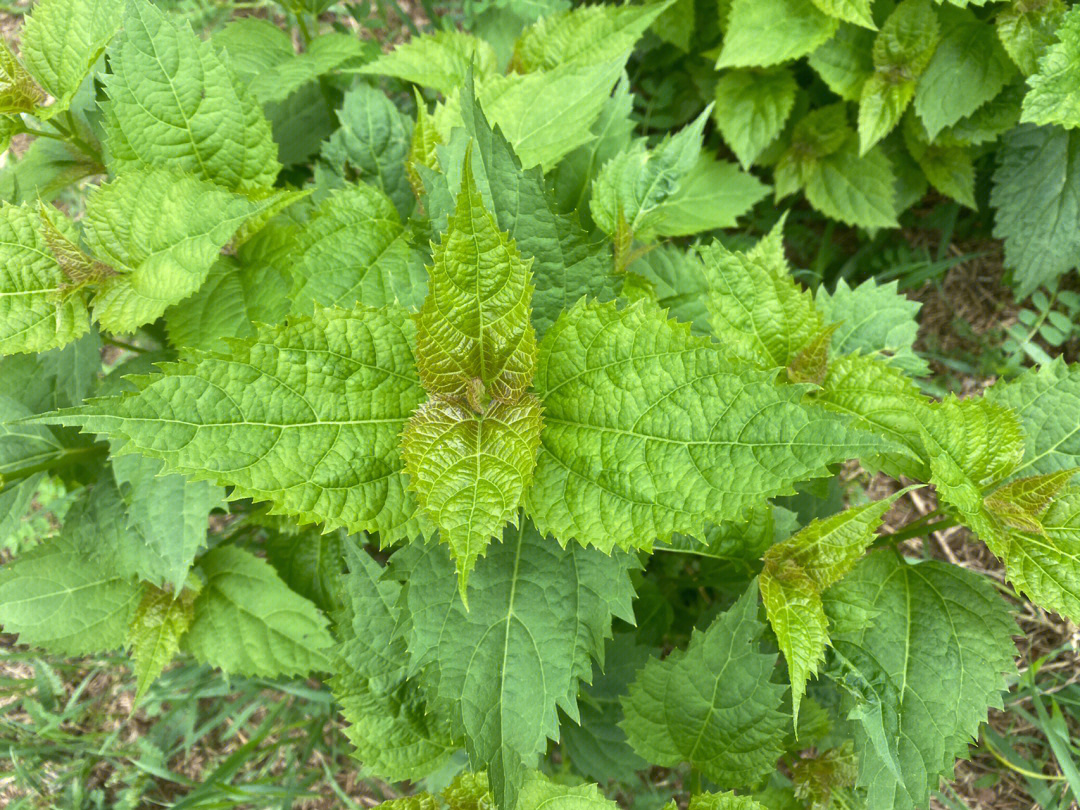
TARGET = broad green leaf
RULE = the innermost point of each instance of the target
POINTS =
(54, 379)
(19, 93)
(474, 336)
(353, 249)
(541, 793)
(587, 35)
(159, 622)
(309, 562)
(440, 60)
(629, 191)
(323, 55)
(62, 39)
(756, 309)
(752, 107)
(44, 171)
(680, 283)
(538, 614)
(881, 106)
(875, 319)
(1037, 196)
(713, 195)
(470, 470)
(23, 445)
(38, 311)
(949, 169)
(255, 46)
(852, 11)
(372, 144)
(712, 705)
(1054, 97)
(230, 302)
(1019, 503)
(816, 136)
(693, 438)
(767, 32)
(723, 801)
(968, 69)
(173, 102)
(306, 415)
(160, 232)
(54, 597)
(855, 189)
(845, 62)
(817, 778)
(1028, 29)
(989, 122)
(247, 621)
(924, 669)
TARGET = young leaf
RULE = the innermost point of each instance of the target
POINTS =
(538, 613)
(19, 93)
(1028, 29)
(173, 102)
(852, 11)
(1053, 97)
(159, 622)
(247, 621)
(713, 195)
(767, 32)
(306, 415)
(713, 704)
(37, 311)
(752, 107)
(693, 438)
(921, 672)
(539, 792)
(440, 60)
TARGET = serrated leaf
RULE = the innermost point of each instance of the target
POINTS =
(423, 146)
(19, 93)
(723, 801)
(541, 793)
(752, 107)
(845, 62)
(1020, 502)
(693, 438)
(852, 11)
(160, 232)
(1028, 29)
(440, 60)
(1037, 196)
(159, 622)
(1053, 97)
(587, 35)
(968, 69)
(767, 32)
(173, 102)
(538, 614)
(306, 415)
(247, 621)
(949, 169)
(928, 665)
(855, 189)
(989, 122)
(713, 704)
(470, 470)
(322, 55)
(680, 283)
(37, 311)
(713, 195)
(309, 562)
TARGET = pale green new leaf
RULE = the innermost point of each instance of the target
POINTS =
(712, 705)
(927, 666)
(1036, 195)
(1054, 97)
(159, 622)
(752, 107)
(845, 62)
(541, 793)
(881, 106)
(306, 415)
(173, 102)
(713, 195)
(767, 32)
(1028, 29)
(649, 430)
(19, 93)
(247, 621)
(440, 60)
(852, 11)
(470, 470)
(62, 39)
(538, 614)
(37, 310)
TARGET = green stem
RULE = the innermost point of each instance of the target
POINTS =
(920, 528)
(65, 458)
(131, 347)
(304, 32)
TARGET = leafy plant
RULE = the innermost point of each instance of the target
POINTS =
(438, 423)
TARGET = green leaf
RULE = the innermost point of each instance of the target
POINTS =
(372, 144)
(693, 438)
(321, 56)
(540, 793)
(949, 169)
(845, 62)
(247, 621)
(173, 102)
(309, 562)
(752, 107)
(713, 195)
(306, 415)
(159, 622)
(968, 69)
(875, 319)
(756, 309)
(767, 32)
(852, 11)
(37, 310)
(161, 232)
(1020, 502)
(1028, 29)
(538, 614)
(712, 705)
(62, 39)
(926, 666)
(19, 92)
(440, 60)
(723, 801)
(1053, 97)
(681, 285)
(855, 189)
(54, 597)
(1037, 196)
(587, 35)
(470, 470)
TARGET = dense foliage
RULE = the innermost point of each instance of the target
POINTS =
(481, 439)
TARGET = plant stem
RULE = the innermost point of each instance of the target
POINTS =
(304, 32)
(65, 458)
